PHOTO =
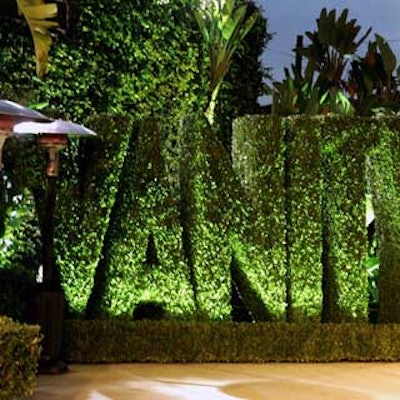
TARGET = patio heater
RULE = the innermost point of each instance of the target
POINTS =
(11, 114)
(48, 305)
(48, 309)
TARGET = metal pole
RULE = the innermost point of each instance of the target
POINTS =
(50, 274)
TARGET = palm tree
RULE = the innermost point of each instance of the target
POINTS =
(38, 15)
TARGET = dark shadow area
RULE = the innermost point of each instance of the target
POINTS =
(151, 252)
(151, 310)
(373, 272)
(247, 305)
(329, 287)
(16, 287)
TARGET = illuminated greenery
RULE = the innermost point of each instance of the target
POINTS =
(206, 217)
(143, 257)
(385, 182)
(122, 57)
(156, 214)
(303, 210)
(345, 143)
(88, 183)
(318, 206)
(259, 240)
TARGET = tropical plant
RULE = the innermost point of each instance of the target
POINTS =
(224, 24)
(244, 82)
(374, 80)
(322, 86)
(39, 16)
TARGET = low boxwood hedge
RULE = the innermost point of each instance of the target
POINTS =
(174, 341)
(19, 355)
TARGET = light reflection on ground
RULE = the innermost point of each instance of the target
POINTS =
(336, 381)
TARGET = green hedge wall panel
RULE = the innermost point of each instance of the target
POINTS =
(265, 276)
(206, 216)
(385, 182)
(303, 208)
(146, 207)
(88, 182)
(345, 142)
(259, 241)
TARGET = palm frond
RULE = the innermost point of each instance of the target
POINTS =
(38, 14)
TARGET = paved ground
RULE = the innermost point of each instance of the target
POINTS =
(336, 381)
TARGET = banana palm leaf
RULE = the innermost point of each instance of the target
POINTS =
(223, 24)
(38, 14)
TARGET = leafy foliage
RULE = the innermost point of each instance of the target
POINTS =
(224, 24)
(19, 355)
(243, 84)
(121, 57)
(126, 341)
(88, 184)
(318, 206)
(374, 79)
(206, 215)
(146, 206)
(258, 241)
(385, 195)
(303, 216)
(38, 14)
(336, 79)
(344, 146)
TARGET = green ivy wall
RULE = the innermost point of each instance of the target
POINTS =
(259, 241)
(303, 217)
(383, 167)
(143, 258)
(321, 191)
(88, 184)
(159, 212)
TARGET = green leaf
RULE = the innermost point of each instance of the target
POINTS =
(37, 15)
(389, 59)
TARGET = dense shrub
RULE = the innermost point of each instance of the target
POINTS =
(137, 58)
(345, 143)
(88, 184)
(143, 258)
(303, 183)
(258, 241)
(157, 214)
(306, 178)
(172, 341)
(16, 287)
(19, 355)
(206, 215)
(384, 179)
